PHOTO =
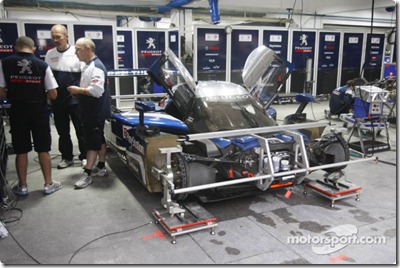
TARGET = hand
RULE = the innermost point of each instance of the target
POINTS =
(73, 90)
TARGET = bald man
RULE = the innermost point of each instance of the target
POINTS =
(95, 108)
(67, 71)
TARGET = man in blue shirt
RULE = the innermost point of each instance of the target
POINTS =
(95, 108)
(342, 99)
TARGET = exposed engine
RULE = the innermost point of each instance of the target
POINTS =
(229, 159)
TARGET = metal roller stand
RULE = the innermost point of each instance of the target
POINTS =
(3, 162)
(333, 189)
(176, 219)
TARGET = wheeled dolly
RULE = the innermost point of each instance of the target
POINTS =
(334, 190)
(194, 219)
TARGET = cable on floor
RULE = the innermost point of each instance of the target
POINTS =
(119, 232)
(26, 252)
(76, 252)
(386, 162)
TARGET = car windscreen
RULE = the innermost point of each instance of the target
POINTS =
(220, 113)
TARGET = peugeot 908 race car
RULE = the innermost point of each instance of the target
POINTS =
(212, 135)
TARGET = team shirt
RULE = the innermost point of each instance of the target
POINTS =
(97, 107)
(67, 70)
(26, 78)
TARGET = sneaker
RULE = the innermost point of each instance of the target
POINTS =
(84, 162)
(51, 188)
(65, 163)
(328, 114)
(20, 190)
(84, 181)
(99, 172)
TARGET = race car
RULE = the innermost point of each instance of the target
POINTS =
(207, 136)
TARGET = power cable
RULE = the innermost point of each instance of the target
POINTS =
(26, 252)
(77, 251)
(387, 162)
(120, 232)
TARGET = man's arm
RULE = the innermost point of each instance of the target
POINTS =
(3, 93)
(51, 94)
(75, 90)
(50, 84)
(96, 87)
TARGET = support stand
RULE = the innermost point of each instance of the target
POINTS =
(332, 189)
(365, 145)
(195, 219)
(4, 198)
(175, 219)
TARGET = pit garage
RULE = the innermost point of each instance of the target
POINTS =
(215, 156)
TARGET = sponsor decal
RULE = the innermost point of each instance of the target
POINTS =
(132, 141)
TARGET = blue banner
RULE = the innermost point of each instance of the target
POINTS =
(243, 43)
(150, 46)
(277, 41)
(374, 56)
(328, 56)
(125, 49)
(8, 35)
(328, 59)
(211, 54)
(103, 37)
(303, 48)
(351, 57)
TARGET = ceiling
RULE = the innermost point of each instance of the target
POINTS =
(253, 9)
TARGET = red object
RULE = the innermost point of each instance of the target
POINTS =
(231, 174)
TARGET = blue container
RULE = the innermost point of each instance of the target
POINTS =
(362, 108)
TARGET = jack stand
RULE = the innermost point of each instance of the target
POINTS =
(167, 178)
(175, 219)
(332, 189)
(361, 125)
(196, 219)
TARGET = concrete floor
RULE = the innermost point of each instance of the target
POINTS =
(110, 222)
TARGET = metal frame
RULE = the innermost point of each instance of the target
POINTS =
(166, 177)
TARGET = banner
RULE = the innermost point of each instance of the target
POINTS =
(8, 35)
(243, 43)
(125, 49)
(103, 37)
(211, 54)
(150, 46)
(351, 57)
(303, 48)
(328, 60)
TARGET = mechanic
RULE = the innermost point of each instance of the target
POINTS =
(67, 71)
(28, 82)
(95, 108)
(342, 99)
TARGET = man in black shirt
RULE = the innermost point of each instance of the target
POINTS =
(28, 82)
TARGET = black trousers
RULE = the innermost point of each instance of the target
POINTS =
(63, 115)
